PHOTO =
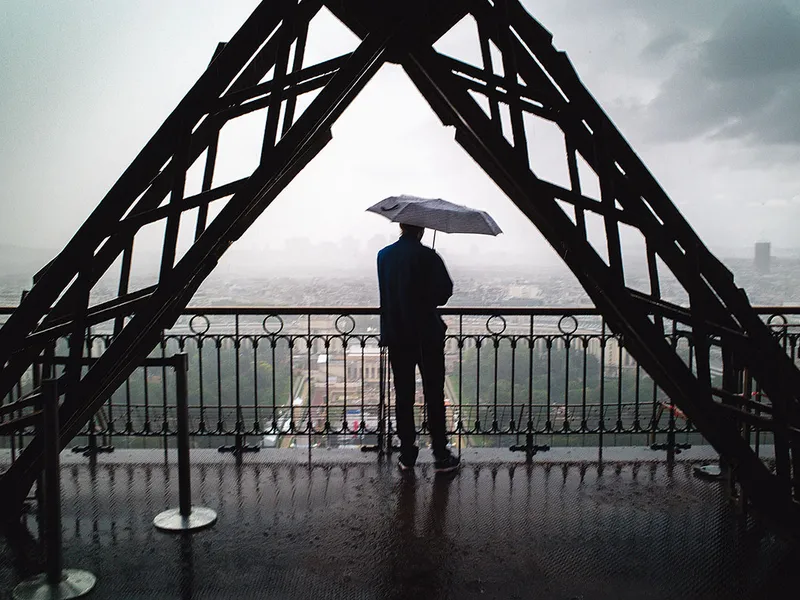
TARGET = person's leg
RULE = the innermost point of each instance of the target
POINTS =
(404, 362)
(431, 368)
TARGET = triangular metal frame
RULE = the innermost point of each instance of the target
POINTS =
(537, 80)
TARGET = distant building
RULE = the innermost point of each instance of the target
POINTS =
(762, 258)
(525, 291)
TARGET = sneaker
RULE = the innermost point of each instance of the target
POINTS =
(446, 464)
(407, 460)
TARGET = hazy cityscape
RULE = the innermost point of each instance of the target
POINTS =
(306, 274)
(332, 281)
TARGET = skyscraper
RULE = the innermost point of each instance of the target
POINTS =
(762, 258)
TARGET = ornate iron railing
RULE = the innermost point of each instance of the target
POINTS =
(520, 377)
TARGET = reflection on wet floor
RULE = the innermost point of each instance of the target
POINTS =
(364, 530)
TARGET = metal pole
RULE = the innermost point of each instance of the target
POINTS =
(52, 482)
(184, 478)
(56, 582)
(186, 517)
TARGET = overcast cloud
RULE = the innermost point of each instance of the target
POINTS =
(706, 91)
(741, 83)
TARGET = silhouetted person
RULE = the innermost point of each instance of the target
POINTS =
(413, 281)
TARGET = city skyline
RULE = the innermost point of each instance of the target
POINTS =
(495, 286)
(302, 256)
(702, 92)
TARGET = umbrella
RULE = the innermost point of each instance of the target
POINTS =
(436, 214)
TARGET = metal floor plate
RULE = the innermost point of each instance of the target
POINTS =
(362, 530)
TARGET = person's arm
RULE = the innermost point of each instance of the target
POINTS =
(441, 286)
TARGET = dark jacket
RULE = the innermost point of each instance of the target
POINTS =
(413, 281)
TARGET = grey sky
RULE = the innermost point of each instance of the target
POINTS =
(706, 91)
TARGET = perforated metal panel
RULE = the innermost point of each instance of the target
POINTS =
(358, 529)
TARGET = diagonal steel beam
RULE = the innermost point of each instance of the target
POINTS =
(772, 365)
(715, 288)
(490, 149)
(300, 144)
(155, 154)
(225, 66)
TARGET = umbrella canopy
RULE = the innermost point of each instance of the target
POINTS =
(436, 214)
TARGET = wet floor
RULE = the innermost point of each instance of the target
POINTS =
(358, 529)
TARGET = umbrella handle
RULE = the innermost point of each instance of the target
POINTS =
(433, 246)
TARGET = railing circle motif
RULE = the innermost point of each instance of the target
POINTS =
(205, 321)
(771, 321)
(267, 329)
(350, 327)
(494, 329)
(573, 324)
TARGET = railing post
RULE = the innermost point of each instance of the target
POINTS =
(381, 427)
(530, 448)
(732, 381)
(382, 379)
(55, 582)
(185, 517)
(671, 446)
(240, 446)
(388, 406)
(92, 448)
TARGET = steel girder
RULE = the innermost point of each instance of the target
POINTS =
(534, 81)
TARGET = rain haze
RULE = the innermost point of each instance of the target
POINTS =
(707, 93)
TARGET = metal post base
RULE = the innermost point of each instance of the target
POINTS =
(74, 584)
(530, 450)
(240, 447)
(709, 472)
(173, 520)
(529, 447)
(676, 448)
(93, 450)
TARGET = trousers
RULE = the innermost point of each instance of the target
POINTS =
(429, 357)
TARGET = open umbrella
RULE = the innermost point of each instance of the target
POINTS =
(436, 214)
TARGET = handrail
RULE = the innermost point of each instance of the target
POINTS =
(524, 380)
(445, 310)
(167, 361)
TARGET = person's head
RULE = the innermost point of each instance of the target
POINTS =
(412, 231)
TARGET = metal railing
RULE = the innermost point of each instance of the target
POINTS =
(284, 377)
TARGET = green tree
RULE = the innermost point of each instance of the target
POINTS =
(573, 376)
(262, 381)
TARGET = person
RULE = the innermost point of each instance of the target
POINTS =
(412, 282)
